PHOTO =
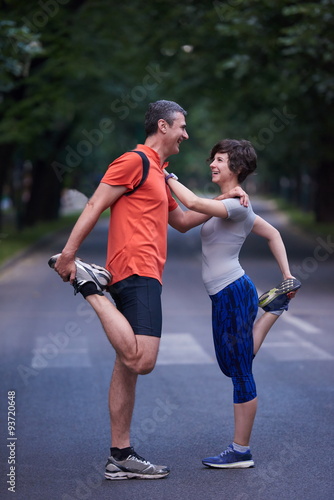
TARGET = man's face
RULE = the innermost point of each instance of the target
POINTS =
(176, 133)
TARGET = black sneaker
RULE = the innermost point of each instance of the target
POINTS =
(85, 273)
(134, 467)
(277, 299)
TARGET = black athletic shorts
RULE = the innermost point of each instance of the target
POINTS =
(138, 298)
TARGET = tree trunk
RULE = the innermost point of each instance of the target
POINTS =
(46, 188)
(44, 199)
(6, 162)
(324, 199)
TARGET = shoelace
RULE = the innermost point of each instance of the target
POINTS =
(138, 457)
(228, 450)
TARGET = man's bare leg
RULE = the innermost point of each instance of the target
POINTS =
(122, 391)
(121, 404)
(133, 350)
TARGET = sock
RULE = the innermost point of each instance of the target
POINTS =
(121, 454)
(89, 288)
(239, 448)
(277, 313)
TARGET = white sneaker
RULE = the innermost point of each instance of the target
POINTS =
(134, 467)
(85, 273)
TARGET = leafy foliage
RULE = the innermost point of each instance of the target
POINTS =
(18, 46)
(77, 77)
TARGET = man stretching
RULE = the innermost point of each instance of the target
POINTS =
(137, 242)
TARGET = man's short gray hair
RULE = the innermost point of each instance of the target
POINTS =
(158, 110)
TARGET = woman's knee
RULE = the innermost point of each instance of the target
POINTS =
(244, 388)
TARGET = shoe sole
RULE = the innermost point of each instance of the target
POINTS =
(236, 465)
(51, 262)
(133, 475)
(287, 286)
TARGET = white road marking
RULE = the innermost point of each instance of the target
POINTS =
(293, 347)
(300, 323)
(182, 349)
(47, 354)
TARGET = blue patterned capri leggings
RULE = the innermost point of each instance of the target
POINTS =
(234, 309)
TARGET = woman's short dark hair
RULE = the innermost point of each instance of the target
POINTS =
(158, 110)
(241, 156)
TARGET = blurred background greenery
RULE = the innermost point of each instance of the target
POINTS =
(76, 77)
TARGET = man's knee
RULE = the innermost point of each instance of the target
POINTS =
(146, 369)
(144, 366)
(147, 354)
(139, 364)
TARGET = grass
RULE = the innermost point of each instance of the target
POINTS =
(304, 220)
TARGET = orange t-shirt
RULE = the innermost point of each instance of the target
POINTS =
(137, 238)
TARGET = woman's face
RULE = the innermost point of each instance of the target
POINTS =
(220, 170)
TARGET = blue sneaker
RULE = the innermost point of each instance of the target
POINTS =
(230, 459)
(277, 299)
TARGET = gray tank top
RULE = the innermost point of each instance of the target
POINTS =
(222, 240)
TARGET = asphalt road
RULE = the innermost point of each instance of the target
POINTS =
(56, 365)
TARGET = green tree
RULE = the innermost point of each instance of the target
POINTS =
(260, 70)
(79, 105)
(18, 47)
(269, 77)
(243, 68)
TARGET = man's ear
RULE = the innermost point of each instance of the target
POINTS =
(162, 125)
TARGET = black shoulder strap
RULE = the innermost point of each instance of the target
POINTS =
(146, 167)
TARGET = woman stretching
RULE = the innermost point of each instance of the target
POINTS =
(237, 338)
